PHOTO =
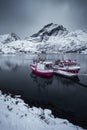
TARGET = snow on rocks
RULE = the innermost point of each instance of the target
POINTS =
(18, 46)
(16, 115)
(6, 38)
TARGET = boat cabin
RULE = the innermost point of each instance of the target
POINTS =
(69, 63)
(65, 63)
(44, 65)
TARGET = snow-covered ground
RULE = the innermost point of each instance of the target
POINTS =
(16, 115)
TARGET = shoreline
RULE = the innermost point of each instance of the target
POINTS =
(15, 114)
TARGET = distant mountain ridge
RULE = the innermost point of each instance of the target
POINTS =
(7, 38)
(51, 38)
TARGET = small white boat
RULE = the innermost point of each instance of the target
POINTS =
(43, 68)
(67, 68)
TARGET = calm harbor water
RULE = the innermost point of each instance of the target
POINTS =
(67, 98)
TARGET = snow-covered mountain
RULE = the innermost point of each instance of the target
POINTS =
(51, 38)
(7, 38)
(48, 31)
(11, 43)
(18, 46)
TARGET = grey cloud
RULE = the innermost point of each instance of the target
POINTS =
(28, 16)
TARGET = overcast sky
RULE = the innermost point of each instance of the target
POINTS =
(26, 17)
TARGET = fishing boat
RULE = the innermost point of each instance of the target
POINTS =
(66, 68)
(43, 68)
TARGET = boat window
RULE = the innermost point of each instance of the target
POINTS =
(73, 64)
(57, 62)
(60, 65)
(48, 66)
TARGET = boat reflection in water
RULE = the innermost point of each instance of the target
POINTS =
(64, 96)
(41, 81)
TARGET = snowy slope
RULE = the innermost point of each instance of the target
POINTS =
(6, 38)
(16, 115)
(47, 31)
(51, 38)
(72, 42)
(18, 46)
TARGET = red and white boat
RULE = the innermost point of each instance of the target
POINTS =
(43, 68)
(67, 68)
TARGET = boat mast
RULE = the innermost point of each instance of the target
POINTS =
(62, 56)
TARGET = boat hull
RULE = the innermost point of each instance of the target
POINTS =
(67, 72)
(45, 73)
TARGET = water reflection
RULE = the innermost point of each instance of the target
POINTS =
(64, 94)
(9, 66)
(13, 62)
(40, 81)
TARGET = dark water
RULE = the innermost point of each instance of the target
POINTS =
(67, 98)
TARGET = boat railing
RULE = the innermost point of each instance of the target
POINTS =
(37, 61)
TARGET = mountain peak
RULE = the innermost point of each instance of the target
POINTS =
(15, 36)
(52, 26)
(47, 31)
(6, 38)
